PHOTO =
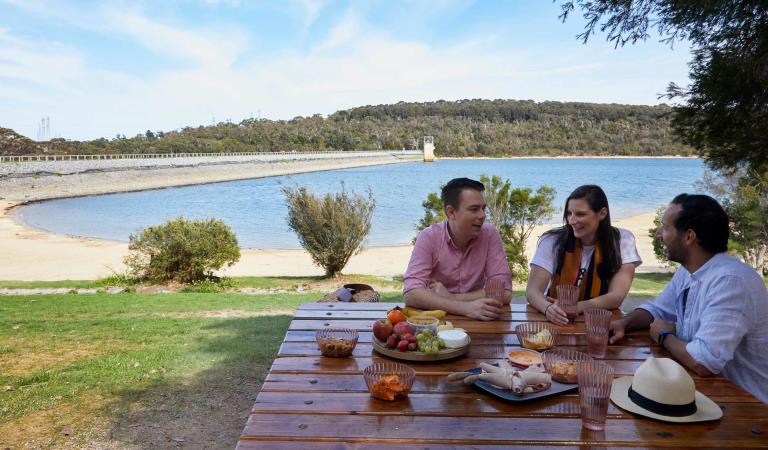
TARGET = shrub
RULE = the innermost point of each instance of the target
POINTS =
(330, 228)
(181, 250)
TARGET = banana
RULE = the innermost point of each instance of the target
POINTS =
(437, 313)
(411, 312)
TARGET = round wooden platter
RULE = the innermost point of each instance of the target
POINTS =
(446, 353)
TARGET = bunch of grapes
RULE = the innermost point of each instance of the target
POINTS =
(428, 342)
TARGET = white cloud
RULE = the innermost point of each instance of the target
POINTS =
(309, 10)
(353, 65)
(216, 48)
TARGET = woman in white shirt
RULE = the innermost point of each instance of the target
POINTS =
(587, 251)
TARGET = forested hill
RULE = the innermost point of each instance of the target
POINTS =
(460, 128)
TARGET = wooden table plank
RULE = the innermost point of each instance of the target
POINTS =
(498, 430)
(718, 389)
(633, 339)
(465, 402)
(476, 350)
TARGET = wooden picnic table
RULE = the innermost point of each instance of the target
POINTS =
(309, 401)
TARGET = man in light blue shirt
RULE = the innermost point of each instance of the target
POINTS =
(713, 315)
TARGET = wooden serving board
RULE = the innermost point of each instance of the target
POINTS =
(446, 353)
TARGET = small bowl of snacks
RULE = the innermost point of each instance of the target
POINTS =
(524, 358)
(419, 323)
(336, 342)
(561, 364)
(536, 335)
(389, 380)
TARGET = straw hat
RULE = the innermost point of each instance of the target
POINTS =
(662, 389)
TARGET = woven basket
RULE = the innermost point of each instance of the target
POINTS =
(361, 296)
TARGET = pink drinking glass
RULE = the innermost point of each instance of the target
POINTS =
(598, 321)
(567, 299)
(494, 288)
(595, 379)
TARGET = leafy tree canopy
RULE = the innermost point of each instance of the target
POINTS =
(724, 111)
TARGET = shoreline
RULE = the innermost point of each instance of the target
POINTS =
(32, 254)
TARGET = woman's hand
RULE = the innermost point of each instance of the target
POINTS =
(554, 313)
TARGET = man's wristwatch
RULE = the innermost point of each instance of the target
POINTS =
(663, 335)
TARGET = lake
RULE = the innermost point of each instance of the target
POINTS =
(256, 212)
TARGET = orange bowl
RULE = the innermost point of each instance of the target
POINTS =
(561, 363)
(336, 342)
(529, 337)
(376, 371)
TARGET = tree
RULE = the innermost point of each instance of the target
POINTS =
(725, 109)
(331, 228)
(181, 250)
(658, 246)
(525, 211)
(744, 195)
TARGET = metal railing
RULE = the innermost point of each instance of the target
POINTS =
(32, 158)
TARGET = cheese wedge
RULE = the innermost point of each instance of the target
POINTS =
(454, 338)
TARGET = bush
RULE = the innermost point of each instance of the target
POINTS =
(330, 228)
(182, 250)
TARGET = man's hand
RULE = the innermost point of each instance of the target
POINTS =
(439, 289)
(657, 326)
(482, 309)
(616, 331)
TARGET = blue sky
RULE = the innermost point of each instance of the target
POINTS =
(102, 68)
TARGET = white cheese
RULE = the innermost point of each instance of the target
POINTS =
(454, 338)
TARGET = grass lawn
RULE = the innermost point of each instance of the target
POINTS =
(151, 370)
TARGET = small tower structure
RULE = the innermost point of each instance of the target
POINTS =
(429, 149)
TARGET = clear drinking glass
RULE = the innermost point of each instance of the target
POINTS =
(567, 299)
(595, 379)
(494, 288)
(598, 321)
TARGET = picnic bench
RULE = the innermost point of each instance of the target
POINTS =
(313, 402)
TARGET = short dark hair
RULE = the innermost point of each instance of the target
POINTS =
(704, 215)
(451, 192)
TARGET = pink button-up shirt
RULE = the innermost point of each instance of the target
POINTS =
(436, 258)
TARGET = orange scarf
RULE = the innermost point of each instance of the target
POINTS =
(590, 284)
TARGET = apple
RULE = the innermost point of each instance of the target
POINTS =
(392, 341)
(402, 328)
(402, 345)
(382, 329)
(410, 338)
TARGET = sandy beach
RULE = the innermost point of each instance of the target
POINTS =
(31, 254)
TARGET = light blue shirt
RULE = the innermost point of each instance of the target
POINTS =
(724, 321)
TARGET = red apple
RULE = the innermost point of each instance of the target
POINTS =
(392, 341)
(403, 328)
(382, 329)
(402, 345)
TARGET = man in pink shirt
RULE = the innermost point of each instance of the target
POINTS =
(453, 259)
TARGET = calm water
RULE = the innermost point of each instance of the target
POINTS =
(255, 209)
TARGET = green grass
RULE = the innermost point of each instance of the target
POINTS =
(649, 284)
(60, 352)
(288, 283)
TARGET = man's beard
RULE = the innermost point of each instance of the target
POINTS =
(675, 253)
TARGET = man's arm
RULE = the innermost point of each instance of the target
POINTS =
(481, 308)
(467, 296)
(442, 291)
(639, 319)
(677, 347)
